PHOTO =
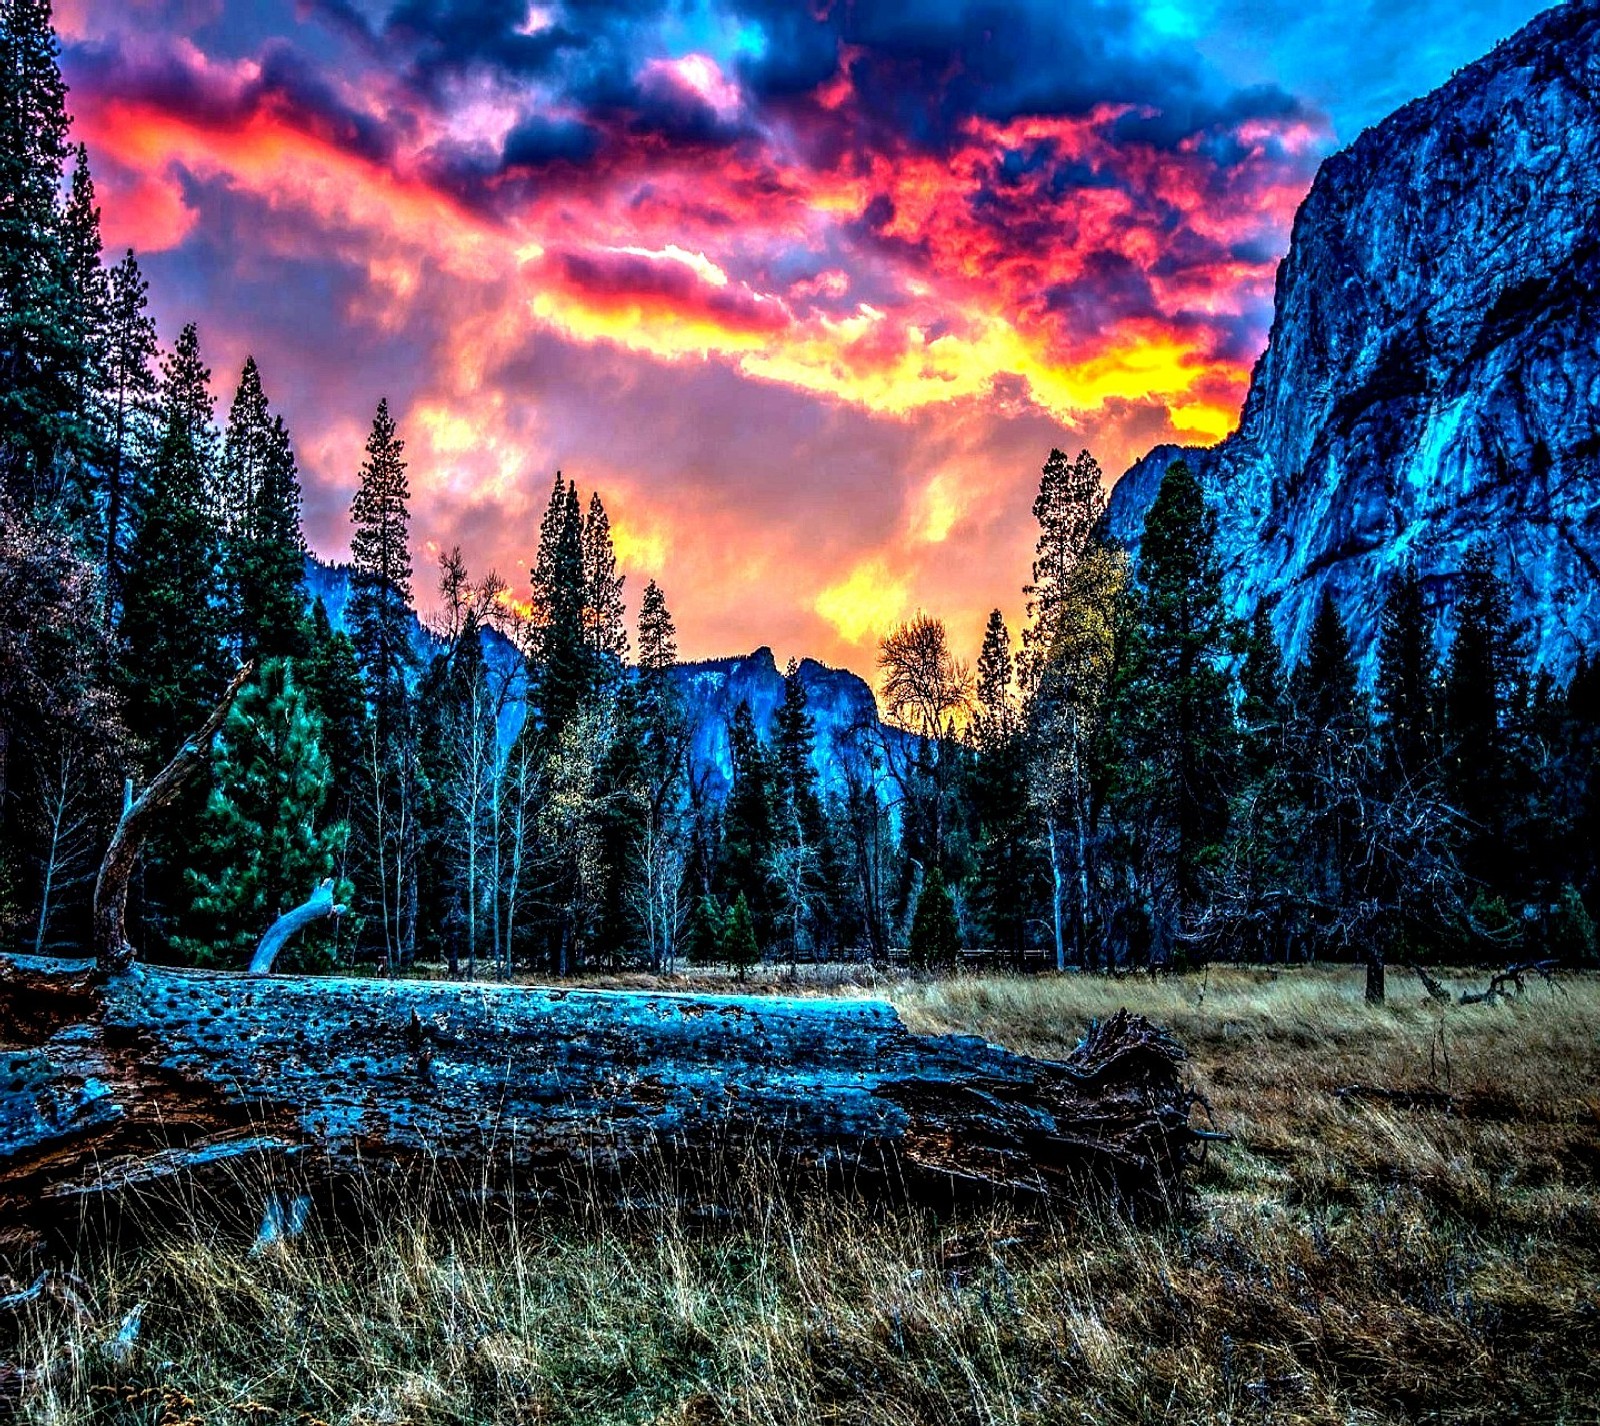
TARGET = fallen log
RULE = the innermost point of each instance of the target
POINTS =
(1514, 976)
(111, 1083)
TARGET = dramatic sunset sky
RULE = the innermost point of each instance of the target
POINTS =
(808, 290)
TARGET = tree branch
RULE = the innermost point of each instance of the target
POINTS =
(111, 948)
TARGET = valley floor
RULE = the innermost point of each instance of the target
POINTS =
(1352, 1259)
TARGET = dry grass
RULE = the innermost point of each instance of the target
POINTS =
(1350, 1262)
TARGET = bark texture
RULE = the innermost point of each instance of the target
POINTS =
(146, 1075)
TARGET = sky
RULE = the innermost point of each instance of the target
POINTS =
(807, 290)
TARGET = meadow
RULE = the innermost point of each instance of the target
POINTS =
(1405, 1226)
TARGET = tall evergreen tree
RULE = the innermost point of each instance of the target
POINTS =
(1407, 684)
(999, 795)
(1263, 689)
(129, 436)
(1068, 507)
(170, 633)
(935, 935)
(1325, 684)
(41, 327)
(1173, 705)
(605, 619)
(187, 406)
(1483, 689)
(263, 545)
(564, 659)
(747, 825)
(380, 605)
(658, 635)
(264, 842)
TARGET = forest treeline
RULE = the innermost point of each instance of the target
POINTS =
(1137, 780)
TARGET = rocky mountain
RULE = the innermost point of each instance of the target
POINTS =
(842, 704)
(1433, 370)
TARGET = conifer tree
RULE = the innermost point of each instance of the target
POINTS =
(1173, 704)
(170, 633)
(565, 663)
(1263, 702)
(264, 842)
(935, 935)
(188, 407)
(41, 327)
(747, 827)
(605, 619)
(331, 678)
(127, 416)
(380, 606)
(1483, 688)
(740, 947)
(999, 795)
(1407, 683)
(1068, 507)
(380, 617)
(87, 314)
(658, 636)
(1325, 684)
(263, 545)
(804, 861)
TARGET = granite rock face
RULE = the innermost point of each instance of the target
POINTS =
(1433, 371)
(841, 703)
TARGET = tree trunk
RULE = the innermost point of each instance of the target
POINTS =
(1056, 886)
(151, 1075)
(111, 945)
(1375, 976)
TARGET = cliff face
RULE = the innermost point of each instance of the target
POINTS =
(841, 704)
(1433, 371)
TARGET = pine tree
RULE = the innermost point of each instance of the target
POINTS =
(658, 636)
(127, 405)
(1068, 507)
(935, 935)
(996, 715)
(740, 946)
(88, 315)
(1263, 702)
(747, 825)
(1173, 706)
(380, 617)
(804, 861)
(169, 636)
(380, 606)
(1482, 690)
(264, 842)
(187, 406)
(1325, 684)
(565, 662)
(331, 678)
(41, 326)
(543, 575)
(999, 796)
(264, 550)
(1407, 684)
(605, 619)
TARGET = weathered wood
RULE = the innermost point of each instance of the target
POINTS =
(121, 1081)
(111, 944)
(317, 907)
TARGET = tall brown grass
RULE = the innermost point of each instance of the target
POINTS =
(1351, 1260)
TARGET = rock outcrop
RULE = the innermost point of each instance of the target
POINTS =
(1433, 371)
